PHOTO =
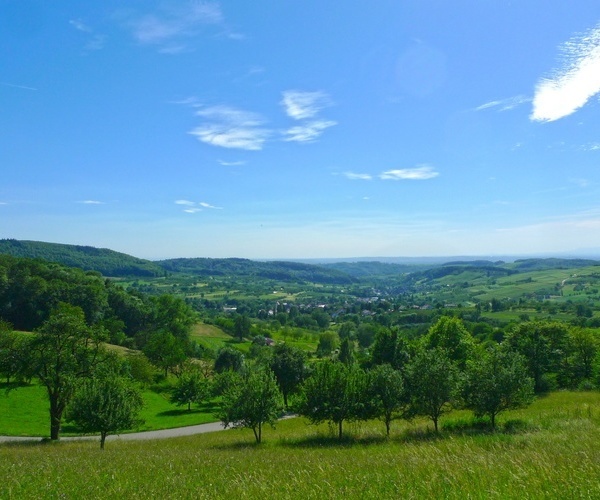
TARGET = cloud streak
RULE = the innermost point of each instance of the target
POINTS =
(192, 207)
(354, 176)
(96, 41)
(24, 87)
(171, 24)
(237, 163)
(413, 174)
(574, 83)
(308, 132)
(504, 104)
(300, 105)
(230, 127)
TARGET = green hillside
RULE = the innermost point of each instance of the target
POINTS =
(279, 271)
(108, 262)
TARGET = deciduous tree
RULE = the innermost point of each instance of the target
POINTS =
(336, 393)
(253, 402)
(388, 393)
(289, 366)
(106, 405)
(191, 387)
(495, 382)
(432, 380)
(62, 352)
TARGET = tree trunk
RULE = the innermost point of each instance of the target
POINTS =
(102, 439)
(435, 424)
(56, 411)
(340, 429)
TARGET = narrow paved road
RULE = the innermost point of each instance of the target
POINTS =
(160, 434)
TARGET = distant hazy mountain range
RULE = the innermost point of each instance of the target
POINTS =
(339, 271)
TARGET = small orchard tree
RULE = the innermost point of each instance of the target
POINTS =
(62, 352)
(191, 387)
(140, 368)
(346, 354)
(289, 366)
(255, 401)
(495, 382)
(432, 380)
(165, 350)
(328, 341)
(451, 335)
(229, 359)
(241, 326)
(388, 393)
(106, 405)
(336, 393)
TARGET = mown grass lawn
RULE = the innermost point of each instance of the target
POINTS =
(550, 450)
(24, 412)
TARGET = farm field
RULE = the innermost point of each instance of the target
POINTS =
(549, 450)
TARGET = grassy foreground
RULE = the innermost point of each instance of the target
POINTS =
(551, 450)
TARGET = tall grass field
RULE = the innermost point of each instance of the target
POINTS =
(550, 450)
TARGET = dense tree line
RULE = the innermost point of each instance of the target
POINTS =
(31, 289)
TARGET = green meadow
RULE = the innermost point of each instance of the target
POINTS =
(550, 450)
(24, 412)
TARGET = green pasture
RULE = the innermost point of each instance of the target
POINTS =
(24, 412)
(549, 450)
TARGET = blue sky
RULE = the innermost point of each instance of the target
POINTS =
(287, 129)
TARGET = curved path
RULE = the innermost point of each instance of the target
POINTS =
(159, 434)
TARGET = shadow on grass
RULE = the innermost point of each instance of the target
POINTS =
(470, 427)
(482, 426)
(331, 441)
(9, 386)
(203, 408)
(178, 412)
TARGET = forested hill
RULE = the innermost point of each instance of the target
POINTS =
(108, 262)
(280, 271)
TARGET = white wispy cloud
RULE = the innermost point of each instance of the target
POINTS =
(355, 176)
(208, 205)
(309, 131)
(232, 163)
(300, 105)
(95, 41)
(593, 146)
(13, 85)
(79, 25)
(175, 21)
(418, 173)
(582, 183)
(186, 101)
(192, 207)
(229, 127)
(505, 104)
(574, 83)
(92, 202)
